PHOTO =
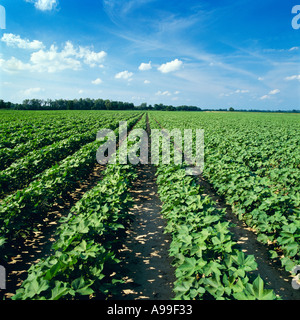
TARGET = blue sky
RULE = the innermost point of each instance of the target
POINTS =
(212, 54)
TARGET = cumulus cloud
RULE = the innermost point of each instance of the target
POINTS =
(124, 75)
(147, 82)
(170, 66)
(12, 40)
(145, 66)
(13, 65)
(91, 58)
(97, 81)
(44, 5)
(53, 60)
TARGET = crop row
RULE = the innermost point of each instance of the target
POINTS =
(84, 253)
(255, 167)
(23, 208)
(24, 170)
(209, 264)
(46, 138)
(17, 133)
(49, 133)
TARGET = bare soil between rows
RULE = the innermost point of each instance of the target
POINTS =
(144, 255)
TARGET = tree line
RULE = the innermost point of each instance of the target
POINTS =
(101, 104)
(88, 104)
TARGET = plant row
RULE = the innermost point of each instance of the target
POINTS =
(209, 264)
(24, 170)
(30, 132)
(46, 138)
(85, 250)
(254, 165)
(20, 211)
(50, 132)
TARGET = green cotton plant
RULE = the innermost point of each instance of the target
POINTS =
(20, 210)
(208, 263)
(252, 160)
(85, 248)
(255, 291)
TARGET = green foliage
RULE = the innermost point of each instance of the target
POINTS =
(208, 263)
(252, 160)
(85, 246)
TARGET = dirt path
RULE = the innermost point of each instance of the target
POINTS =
(144, 256)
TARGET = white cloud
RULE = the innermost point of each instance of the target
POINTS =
(97, 81)
(170, 66)
(260, 78)
(13, 65)
(53, 60)
(91, 58)
(145, 66)
(124, 75)
(268, 96)
(147, 82)
(295, 77)
(242, 91)
(294, 49)
(275, 91)
(238, 91)
(44, 5)
(32, 91)
(162, 93)
(12, 40)
(265, 97)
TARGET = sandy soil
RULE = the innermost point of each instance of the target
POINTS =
(144, 255)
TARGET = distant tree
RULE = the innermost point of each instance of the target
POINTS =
(2, 104)
(70, 105)
(231, 109)
(99, 104)
(107, 105)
